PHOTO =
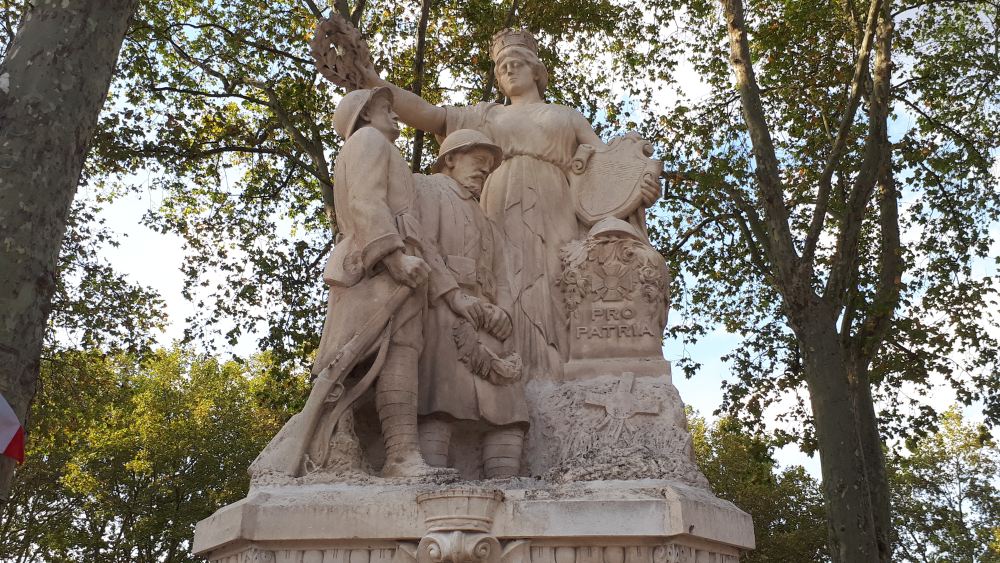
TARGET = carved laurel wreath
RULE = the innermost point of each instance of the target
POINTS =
(653, 279)
(341, 54)
(481, 360)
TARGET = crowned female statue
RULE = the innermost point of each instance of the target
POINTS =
(529, 194)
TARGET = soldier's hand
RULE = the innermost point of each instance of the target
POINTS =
(467, 307)
(407, 270)
(497, 321)
(650, 190)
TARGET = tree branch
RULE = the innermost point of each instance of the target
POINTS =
(316, 11)
(359, 10)
(312, 148)
(220, 149)
(962, 139)
(876, 326)
(694, 230)
(226, 84)
(750, 225)
(780, 246)
(845, 259)
(756, 254)
(206, 94)
(840, 142)
(262, 46)
(342, 8)
(929, 2)
(418, 78)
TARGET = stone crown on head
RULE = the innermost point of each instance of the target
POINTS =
(507, 38)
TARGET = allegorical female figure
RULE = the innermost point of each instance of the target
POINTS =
(528, 195)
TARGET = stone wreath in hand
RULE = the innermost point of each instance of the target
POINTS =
(482, 361)
(341, 54)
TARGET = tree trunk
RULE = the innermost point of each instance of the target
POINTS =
(874, 456)
(53, 84)
(418, 78)
(840, 427)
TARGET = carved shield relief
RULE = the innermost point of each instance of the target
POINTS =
(607, 182)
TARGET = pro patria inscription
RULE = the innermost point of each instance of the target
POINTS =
(613, 322)
(615, 288)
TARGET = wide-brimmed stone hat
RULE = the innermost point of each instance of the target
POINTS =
(463, 140)
(345, 117)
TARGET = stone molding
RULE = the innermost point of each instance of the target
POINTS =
(459, 526)
(510, 551)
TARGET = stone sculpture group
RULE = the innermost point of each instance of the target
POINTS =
(484, 258)
(497, 322)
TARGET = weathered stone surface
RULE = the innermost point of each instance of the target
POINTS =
(490, 383)
(591, 513)
(610, 427)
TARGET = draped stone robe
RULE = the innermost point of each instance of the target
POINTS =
(529, 198)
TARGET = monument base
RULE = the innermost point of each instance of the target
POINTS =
(509, 521)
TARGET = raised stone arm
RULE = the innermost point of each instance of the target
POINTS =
(411, 108)
(342, 57)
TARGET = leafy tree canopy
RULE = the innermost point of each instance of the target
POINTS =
(126, 454)
(785, 503)
(944, 141)
(220, 104)
(946, 494)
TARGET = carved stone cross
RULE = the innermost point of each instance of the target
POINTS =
(622, 403)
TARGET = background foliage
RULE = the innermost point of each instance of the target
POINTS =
(217, 108)
(126, 454)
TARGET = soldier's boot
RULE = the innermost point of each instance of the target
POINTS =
(502, 452)
(396, 403)
(435, 439)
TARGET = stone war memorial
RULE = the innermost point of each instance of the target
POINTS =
(490, 385)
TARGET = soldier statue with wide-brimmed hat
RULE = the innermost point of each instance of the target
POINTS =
(469, 375)
(379, 277)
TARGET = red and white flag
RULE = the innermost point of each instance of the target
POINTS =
(11, 432)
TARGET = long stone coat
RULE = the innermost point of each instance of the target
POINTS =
(376, 211)
(529, 198)
(471, 248)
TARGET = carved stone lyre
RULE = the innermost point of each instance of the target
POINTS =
(608, 182)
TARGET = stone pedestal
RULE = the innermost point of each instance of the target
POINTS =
(615, 288)
(511, 521)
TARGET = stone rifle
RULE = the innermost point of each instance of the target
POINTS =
(287, 451)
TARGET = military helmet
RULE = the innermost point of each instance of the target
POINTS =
(345, 117)
(463, 140)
